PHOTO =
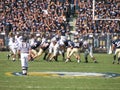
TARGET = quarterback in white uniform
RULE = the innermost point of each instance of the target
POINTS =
(24, 50)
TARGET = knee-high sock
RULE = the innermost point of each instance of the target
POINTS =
(114, 57)
(45, 56)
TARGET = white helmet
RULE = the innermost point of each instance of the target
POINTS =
(75, 40)
(115, 37)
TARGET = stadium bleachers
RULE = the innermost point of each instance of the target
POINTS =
(38, 16)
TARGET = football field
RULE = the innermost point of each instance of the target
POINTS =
(44, 75)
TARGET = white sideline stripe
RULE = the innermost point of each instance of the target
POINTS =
(40, 87)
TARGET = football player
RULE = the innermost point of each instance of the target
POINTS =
(24, 50)
(42, 48)
(33, 52)
(69, 46)
(116, 48)
(88, 51)
(53, 50)
(13, 45)
(75, 51)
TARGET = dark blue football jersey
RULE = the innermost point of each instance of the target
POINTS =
(70, 43)
(116, 43)
(36, 44)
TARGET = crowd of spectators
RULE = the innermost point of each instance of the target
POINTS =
(34, 15)
(107, 9)
(104, 9)
(49, 16)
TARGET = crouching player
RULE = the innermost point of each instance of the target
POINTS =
(75, 51)
(88, 51)
(69, 46)
(33, 52)
(24, 50)
(116, 48)
(53, 50)
(42, 48)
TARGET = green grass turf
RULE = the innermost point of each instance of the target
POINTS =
(59, 83)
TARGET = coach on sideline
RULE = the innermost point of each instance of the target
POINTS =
(24, 50)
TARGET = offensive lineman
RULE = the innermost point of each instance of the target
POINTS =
(69, 46)
(42, 48)
(34, 47)
(116, 49)
(75, 51)
(53, 50)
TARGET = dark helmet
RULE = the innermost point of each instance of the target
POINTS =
(24, 39)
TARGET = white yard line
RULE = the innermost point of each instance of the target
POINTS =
(54, 87)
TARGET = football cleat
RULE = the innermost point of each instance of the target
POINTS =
(24, 74)
(113, 62)
(78, 61)
(13, 60)
(86, 61)
(95, 61)
(66, 60)
(8, 56)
